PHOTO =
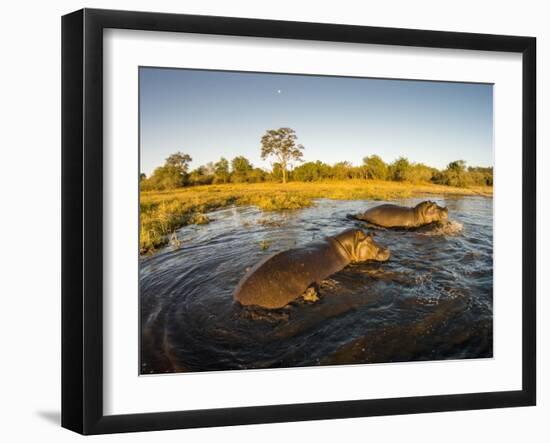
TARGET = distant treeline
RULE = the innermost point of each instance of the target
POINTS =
(281, 145)
(175, 173)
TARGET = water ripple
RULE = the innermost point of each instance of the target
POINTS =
(432, 300)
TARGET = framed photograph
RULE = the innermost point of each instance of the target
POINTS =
(268, 221)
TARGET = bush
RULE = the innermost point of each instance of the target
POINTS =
(418, 173)
(241, 168)
(455, 175)
(164, 177)
(342, 171)
(308, 172)
(256, 175)
(398, 169)
(481, 176)
(200, 176)
(375, 168)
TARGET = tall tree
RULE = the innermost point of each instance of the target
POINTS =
(281, 144)
(180, 161)
(276, 171)
(221, 170)
(241, 168)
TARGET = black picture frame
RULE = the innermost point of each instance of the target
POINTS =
(82, 218)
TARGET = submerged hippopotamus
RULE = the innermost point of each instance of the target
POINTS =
(283, 277)
(393, 216)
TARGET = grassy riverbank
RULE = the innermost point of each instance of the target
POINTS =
(162, 212)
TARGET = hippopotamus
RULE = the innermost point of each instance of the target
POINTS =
(394, 216)
(284, 276)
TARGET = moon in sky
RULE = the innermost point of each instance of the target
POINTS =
(279, 91)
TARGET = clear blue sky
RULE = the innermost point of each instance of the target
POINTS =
(210, 114)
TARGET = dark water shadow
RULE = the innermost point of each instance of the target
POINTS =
(431, 301)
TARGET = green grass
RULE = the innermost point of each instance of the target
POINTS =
(162, 212)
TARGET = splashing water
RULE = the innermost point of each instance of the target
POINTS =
(448, 228)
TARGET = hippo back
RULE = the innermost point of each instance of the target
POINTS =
(284, 276)
(390, 216)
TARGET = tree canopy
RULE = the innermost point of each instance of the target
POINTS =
(173, 174)
(281, 144)
(221, 171)
(179, 160)
(375, 168)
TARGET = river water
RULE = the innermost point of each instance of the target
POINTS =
(432, 300)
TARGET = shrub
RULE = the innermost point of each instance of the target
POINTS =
(418, 173)
(455, 175)
(164, 177)
(398, 169)
(375, 168)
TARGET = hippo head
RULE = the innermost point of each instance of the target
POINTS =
(430, 212)
(362, 247)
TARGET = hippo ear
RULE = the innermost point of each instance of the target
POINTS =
(425, 204)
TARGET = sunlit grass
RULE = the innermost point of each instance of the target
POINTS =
(162, 212)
